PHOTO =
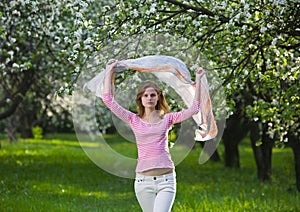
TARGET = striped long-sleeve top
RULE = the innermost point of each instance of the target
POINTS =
(151, 138)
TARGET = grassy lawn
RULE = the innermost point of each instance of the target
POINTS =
(54, 174)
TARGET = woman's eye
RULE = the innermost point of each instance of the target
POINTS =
(151, 95)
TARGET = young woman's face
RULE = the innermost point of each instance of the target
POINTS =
(150, 98)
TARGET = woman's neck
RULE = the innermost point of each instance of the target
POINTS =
(151, 116)
(149, 112)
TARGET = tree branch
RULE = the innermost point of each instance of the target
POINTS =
(201, 10)
(289, 47)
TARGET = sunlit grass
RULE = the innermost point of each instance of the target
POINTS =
(54, 174)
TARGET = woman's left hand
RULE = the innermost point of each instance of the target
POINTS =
(200, 72)
(111, 65)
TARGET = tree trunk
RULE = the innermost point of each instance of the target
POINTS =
(262, 153)
(11, 128)
(294, 143)
(233, 134)
(26, 128)
(232, 157)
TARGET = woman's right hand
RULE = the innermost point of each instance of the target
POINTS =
(111, 65)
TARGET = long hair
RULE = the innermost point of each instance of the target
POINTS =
(162, 105)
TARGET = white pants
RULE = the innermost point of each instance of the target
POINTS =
(155, 193)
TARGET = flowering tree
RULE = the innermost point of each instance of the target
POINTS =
(253, 45)
(36, 44)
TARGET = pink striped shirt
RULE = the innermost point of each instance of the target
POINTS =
(151, 138)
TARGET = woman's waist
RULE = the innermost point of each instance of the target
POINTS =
(156, 172)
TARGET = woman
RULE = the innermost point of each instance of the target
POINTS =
(155, 183)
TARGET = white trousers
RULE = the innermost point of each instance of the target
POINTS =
(155, 193)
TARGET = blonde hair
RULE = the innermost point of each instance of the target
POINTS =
(162, 105)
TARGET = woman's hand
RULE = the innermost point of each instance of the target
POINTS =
(200, 72)
(109, 74)
(111, 65)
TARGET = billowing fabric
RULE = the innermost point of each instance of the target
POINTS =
(168, 68)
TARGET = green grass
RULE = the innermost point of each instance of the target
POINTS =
(54, 174)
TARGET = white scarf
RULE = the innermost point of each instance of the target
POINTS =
(174, 73)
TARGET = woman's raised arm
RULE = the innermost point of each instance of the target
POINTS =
(107, 96)
(199, 74)
(108, 78)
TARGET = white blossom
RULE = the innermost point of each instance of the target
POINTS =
(87, 41)
(143, 28)
(277, 52)
(11, 53)
(79, 15)
(274, 41)
(263, 29)
(15, 65)
(135, 13)
(16, 12)
(78, 33)
(13, 3)
(76, 46)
